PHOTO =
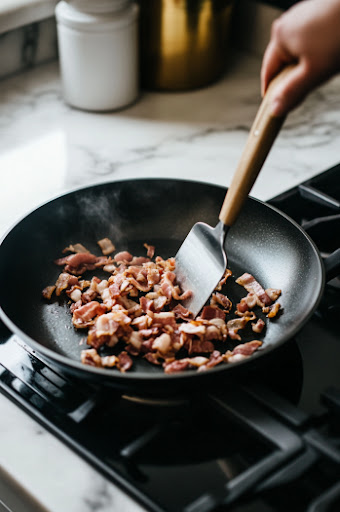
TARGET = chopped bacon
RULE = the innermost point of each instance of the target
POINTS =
(222, 282)
(252, 286)
(182, 364)
(123, 257)
(246, 303)
(150, 250)
(91, 357)
(162, 343)
(84, 316)
(200, 347)
(106, 246)
(218, 299)
(272, 311)
(78, 263)
(273, 293)
(209, 312)
(236, 324)
(124, 362)
(247, 348)
(64, 282)
(153, 358)
(48, 292)
(75, 305)
(258, 326)
(214, 359)
(137, 311)
(75, 248)
(182, 312)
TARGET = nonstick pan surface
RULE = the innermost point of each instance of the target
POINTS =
(263, 242)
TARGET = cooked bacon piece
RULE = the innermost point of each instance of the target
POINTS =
(214, 359)
(162, 343)
(89, 295)
(252, 286)
(75, 248)
(64, 282)
(218, 299)
(242, 351)
(227, 274)
(272, 310)
(75, 305)
(248, 348)
(182, 312)
(146, 304)
(236, 324)
(200, 347)
(169, 264)
(110, 268)
(193, 328)
(178, 365)
(81, 262)
(153, 358)
(105, 328)
(84, 316)
(123, 257)
(74, 293)
(142, 322)
(159, 302)
(106, 246)
(109, 361)
(103, 261)
(91, 357)
(273, 293)
(48, 292)
(150, 250)
(210, 312)
(170, 289)
(76, 260)
(258, 326)
(246, 303)
(164, 318)
(139, 260)
(124, 362)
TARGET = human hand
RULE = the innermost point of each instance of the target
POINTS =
(308, 35)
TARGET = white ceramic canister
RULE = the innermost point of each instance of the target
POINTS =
(98, 53)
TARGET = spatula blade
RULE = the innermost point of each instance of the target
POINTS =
(200, 263)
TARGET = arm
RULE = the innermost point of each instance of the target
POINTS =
(308, 35)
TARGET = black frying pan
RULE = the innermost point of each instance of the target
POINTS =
(264, 242)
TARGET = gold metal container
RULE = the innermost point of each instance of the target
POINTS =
(183, 43)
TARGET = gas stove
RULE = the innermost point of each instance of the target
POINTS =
(270, 442)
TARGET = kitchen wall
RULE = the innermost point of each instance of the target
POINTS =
(36, 42)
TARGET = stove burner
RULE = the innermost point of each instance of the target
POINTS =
(269, 440)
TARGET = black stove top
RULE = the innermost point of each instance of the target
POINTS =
(268, 443)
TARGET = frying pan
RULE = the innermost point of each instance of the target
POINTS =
(263, 241)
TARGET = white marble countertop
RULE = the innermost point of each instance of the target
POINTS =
(47, 148)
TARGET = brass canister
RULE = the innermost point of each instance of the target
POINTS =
(183, 43)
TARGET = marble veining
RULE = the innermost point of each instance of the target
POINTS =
(48, 148)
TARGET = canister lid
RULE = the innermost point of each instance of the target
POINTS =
(99, 6)
(69, 15)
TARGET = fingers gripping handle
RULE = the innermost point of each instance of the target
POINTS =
(260, 140)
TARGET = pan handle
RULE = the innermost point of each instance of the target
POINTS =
(260, 140)
(332, 265)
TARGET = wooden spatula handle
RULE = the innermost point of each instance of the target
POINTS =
(261, 138)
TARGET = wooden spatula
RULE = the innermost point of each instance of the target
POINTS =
(201, 260)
